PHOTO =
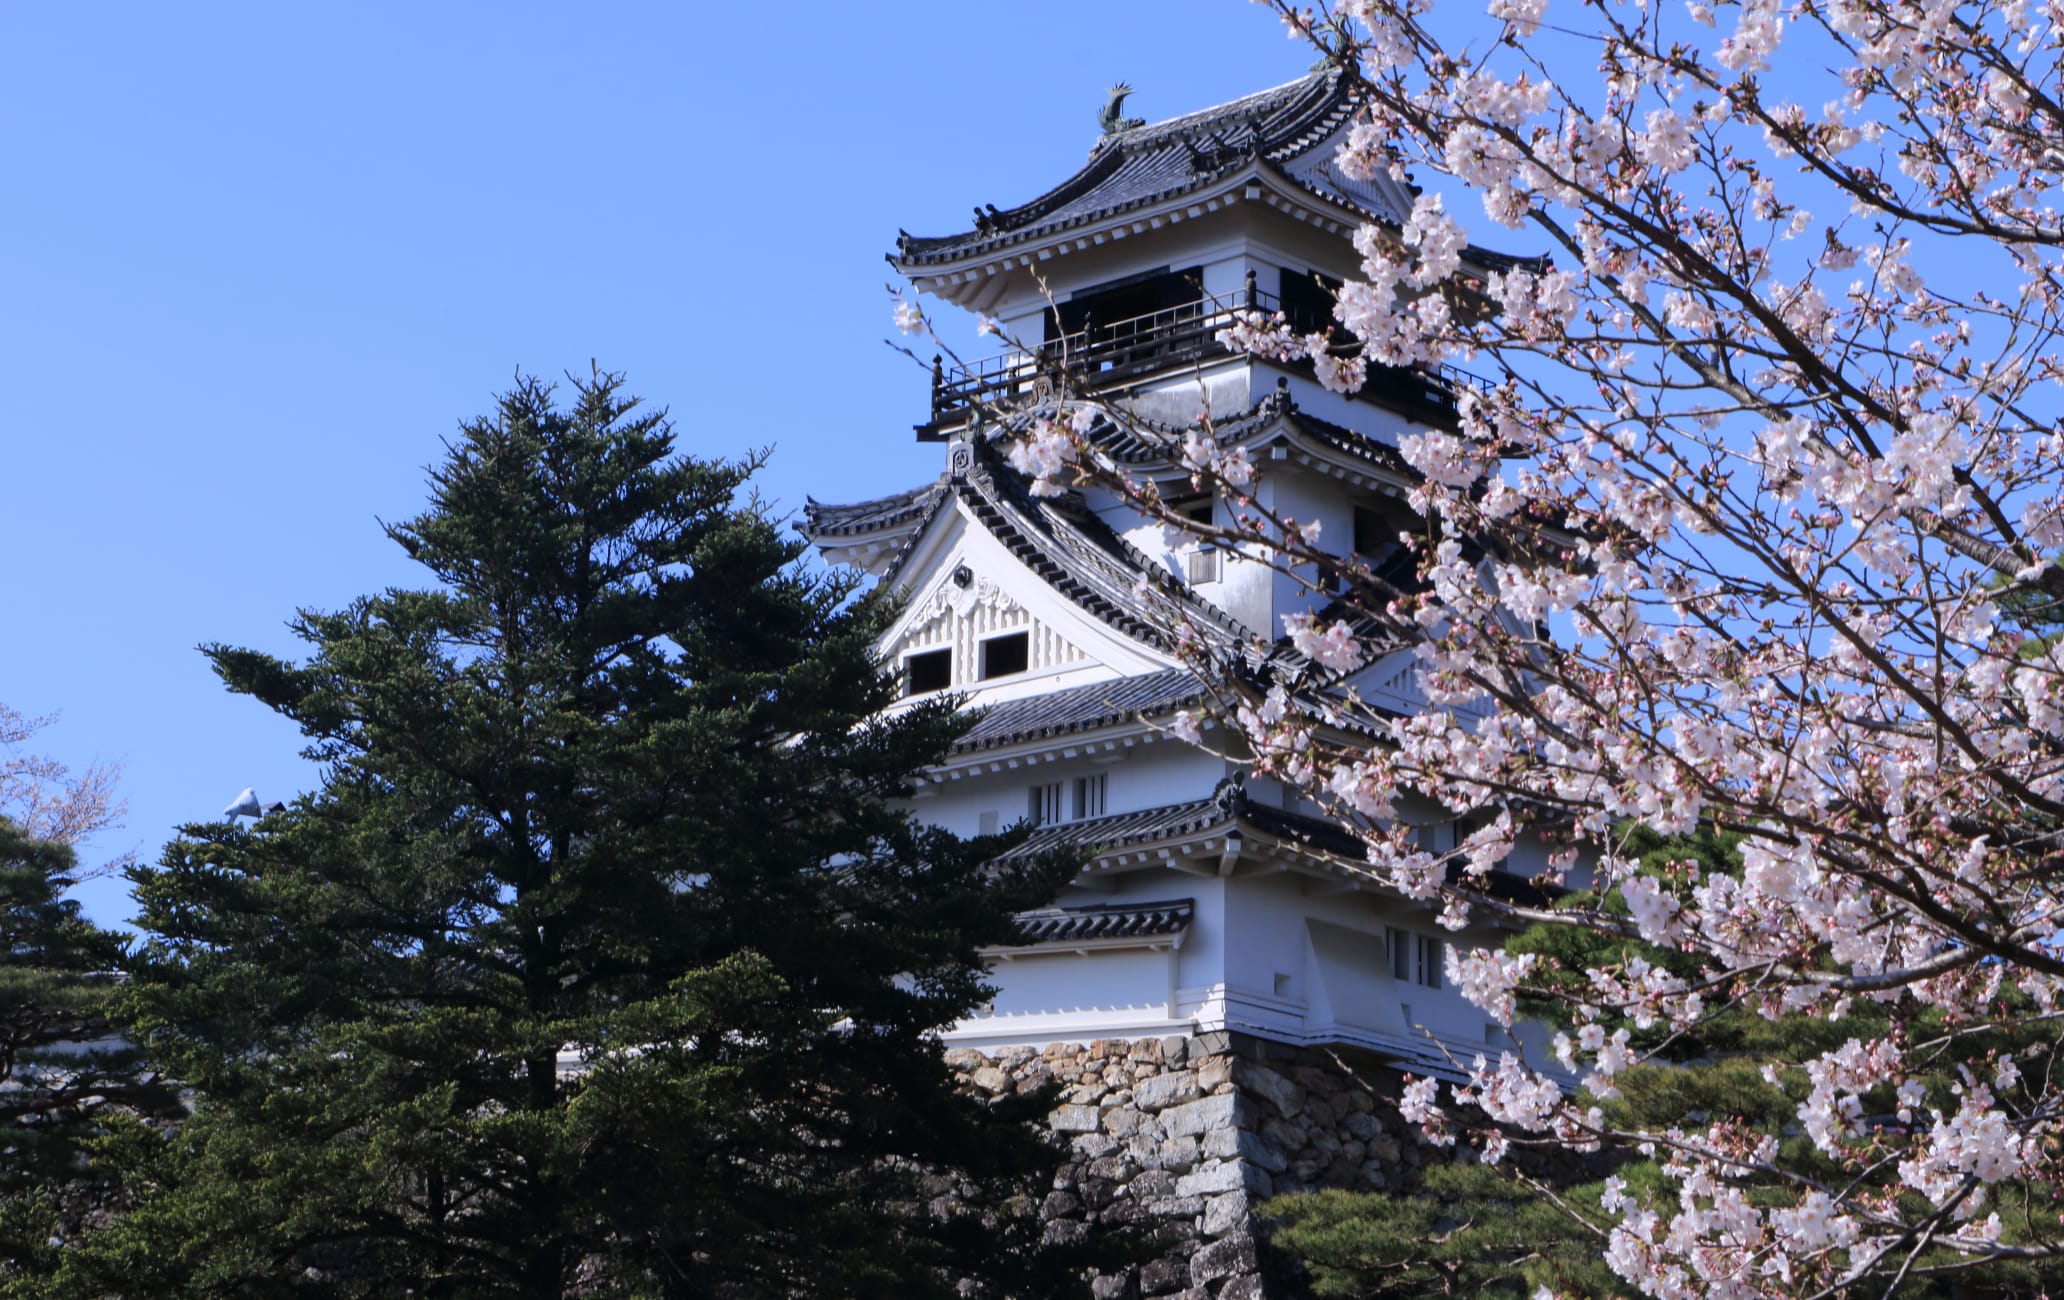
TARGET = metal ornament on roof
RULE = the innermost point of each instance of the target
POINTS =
(1112, 116)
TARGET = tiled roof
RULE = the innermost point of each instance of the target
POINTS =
(1121, 829)
(1228, 808)
(1081, 708)
(1143, 441)
(869, 516)
(1106, 921)
(1278, 131)
(1146, 164)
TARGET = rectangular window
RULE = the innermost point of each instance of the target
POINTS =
(1400, 954)
(1089, 796)
(1004, 655)
(1431, 951)
(930, 671)
(1370, 536)
(988, 822)
(1201, 565)
(1045, 805)
(1308, 298)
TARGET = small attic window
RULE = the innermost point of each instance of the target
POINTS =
(930, 671)
(1004, 655)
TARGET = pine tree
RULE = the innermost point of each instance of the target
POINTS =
(600, 963)
(61, 1076)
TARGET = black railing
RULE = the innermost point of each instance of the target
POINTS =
(1098, 357)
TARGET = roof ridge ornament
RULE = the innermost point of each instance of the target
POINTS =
(1112, 116)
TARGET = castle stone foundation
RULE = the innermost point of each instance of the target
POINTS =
(1184, 1137)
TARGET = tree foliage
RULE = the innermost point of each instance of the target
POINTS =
(1535, 1220)
(65, 1077)
(599, 964)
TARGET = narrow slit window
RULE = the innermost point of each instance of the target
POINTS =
(1004, 655)
(1431, 952)
(1045, 804)
(930, 671)
(1089, 796)
(1400, 955)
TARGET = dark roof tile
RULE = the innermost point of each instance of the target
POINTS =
(1106, 921)
(1081, 708)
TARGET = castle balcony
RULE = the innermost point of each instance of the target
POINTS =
(1110, 359)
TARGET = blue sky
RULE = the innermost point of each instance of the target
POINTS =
(255, 261)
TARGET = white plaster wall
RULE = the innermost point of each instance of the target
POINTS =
(1145, 776)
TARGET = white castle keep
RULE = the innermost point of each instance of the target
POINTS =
(1215, 900)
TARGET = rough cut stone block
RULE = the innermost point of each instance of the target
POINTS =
(1092, 1145)
(1177, 1207)
(1164, 1090)
(1110, 1286)
(1144, 1150)
(1119, 1121)
(1256, 1150)
(1064, 1232)
(1202, 1116)
(1124, 1210)
(1361, 1126)
(1116, 1168)
(990, 1079)
(1224, 1214)
(1058, 1205)
(1160, 1276)
(1285, 1096)
(1152, 1183)
(964, 1058)
(1075, 1119)
(1212, 1179)
(1226, 1257)
(1178, 1154)
(1214, 1073)
(1174, 1049)
(1247, 1287)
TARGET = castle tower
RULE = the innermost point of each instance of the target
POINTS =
(1218, 908)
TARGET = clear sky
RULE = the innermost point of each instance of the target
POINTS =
(256, 261)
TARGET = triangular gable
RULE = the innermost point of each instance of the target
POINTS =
(965, 587)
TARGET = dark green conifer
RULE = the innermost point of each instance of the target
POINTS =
(63, 1077)
(600, 963)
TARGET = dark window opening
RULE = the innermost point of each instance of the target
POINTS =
(1370, 534)
(1004, 655)
(1307, 299)
(1099, 307)
(930, 671)
(1198, 511)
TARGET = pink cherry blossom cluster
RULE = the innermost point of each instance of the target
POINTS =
(1752, 525)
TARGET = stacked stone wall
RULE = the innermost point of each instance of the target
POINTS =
(1181, 1138)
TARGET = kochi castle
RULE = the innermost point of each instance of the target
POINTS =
(1213, 899)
